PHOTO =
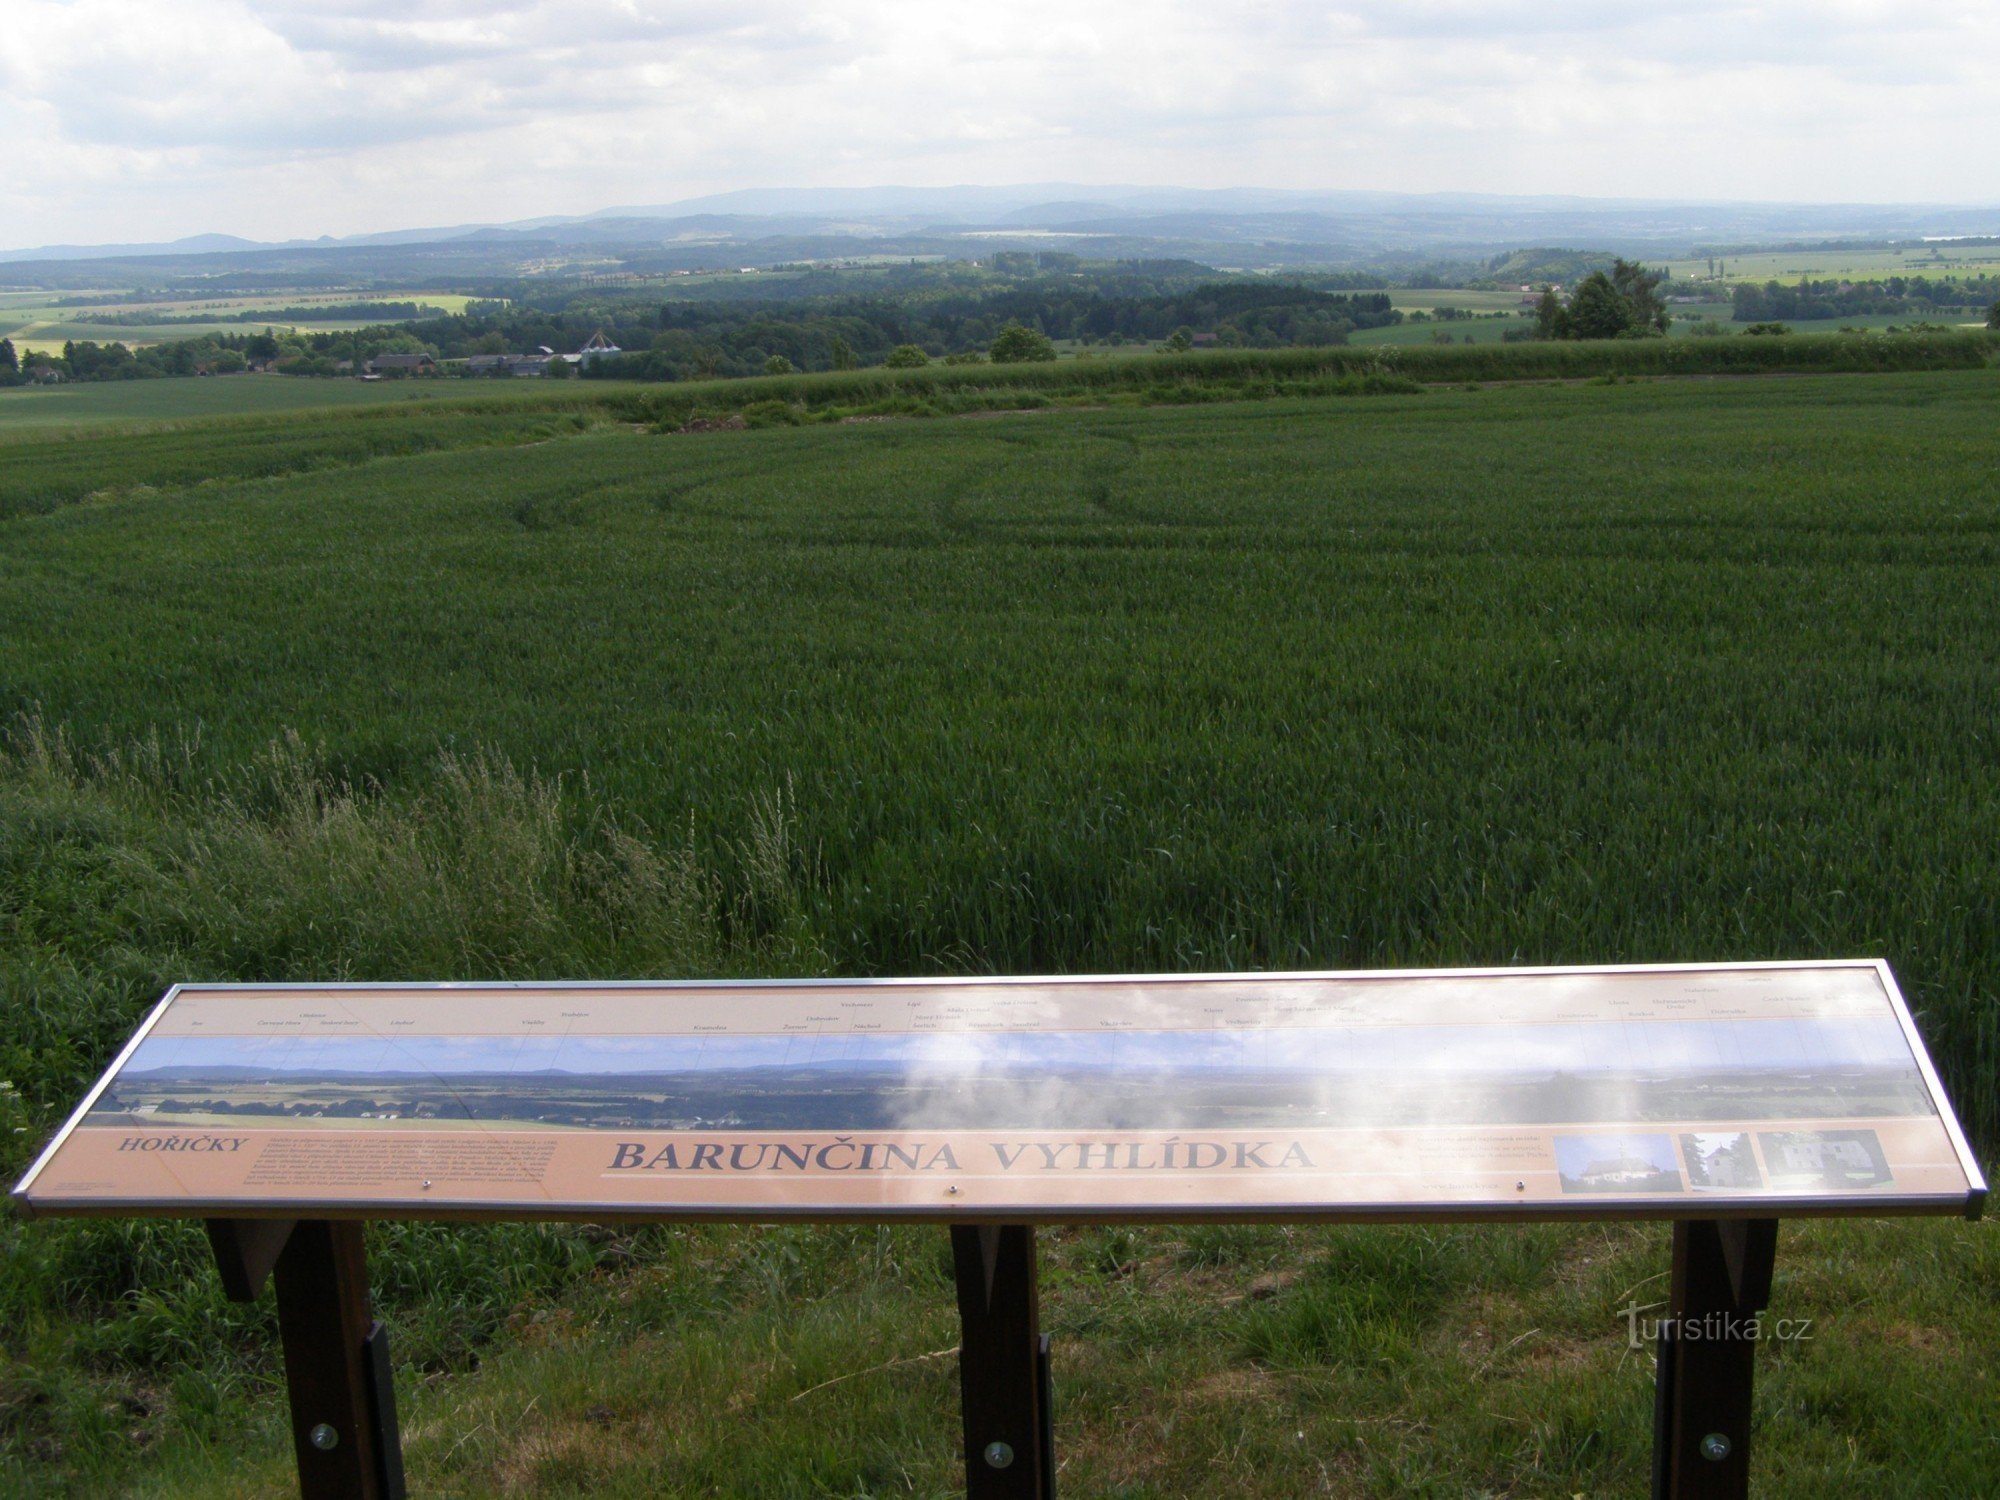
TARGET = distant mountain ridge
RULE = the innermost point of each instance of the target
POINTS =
(1231, 229)
(1293, 216)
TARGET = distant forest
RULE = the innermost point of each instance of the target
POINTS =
(1805, 300)
(810, 318)
(684, 340)
(807, 318)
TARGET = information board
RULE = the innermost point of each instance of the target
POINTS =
(1538, 1093)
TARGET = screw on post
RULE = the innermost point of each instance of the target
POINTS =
(324, 1437)
(1715, 1447)
(998, 1455)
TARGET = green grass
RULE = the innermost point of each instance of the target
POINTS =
(36, 477)
(1709, 686)
(1413, 335)
(44, 411)
(1876, 322)
(1491, 331)
(939, 390)
(1591, 672)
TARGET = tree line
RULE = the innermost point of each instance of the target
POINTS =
(708, 338)
(211, 354)
(1807, 299)
(701, 339)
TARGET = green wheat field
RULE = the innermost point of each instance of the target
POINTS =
(1336, 667)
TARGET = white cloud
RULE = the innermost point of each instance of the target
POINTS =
(131, 119)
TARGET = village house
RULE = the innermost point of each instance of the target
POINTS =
(400, 364)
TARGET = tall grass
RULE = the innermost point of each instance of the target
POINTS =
(128, 869)
(1251, 374)
(40, 473)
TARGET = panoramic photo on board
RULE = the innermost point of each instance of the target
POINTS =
(1370, 1073)
(501, 498)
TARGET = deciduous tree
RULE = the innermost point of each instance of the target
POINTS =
(1624, 304)
(1595, 310)
(1641, 290)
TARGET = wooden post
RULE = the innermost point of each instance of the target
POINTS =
(336, 1367)
(1707, 1353)
(1003, 1365)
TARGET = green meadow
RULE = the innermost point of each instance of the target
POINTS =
(1686, 317)
(1380, 671)
(1424, 299)
(1944, 258)
(1482, 330)
(47, 411)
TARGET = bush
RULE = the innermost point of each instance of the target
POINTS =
(1017, 345)
(907, 357)
(772, 414)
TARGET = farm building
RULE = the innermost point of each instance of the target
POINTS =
(523, 365)
(598, 348)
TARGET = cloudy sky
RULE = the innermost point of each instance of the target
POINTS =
(150, 119)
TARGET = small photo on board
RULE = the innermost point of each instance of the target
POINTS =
(1617, 1164)
(1831, 1159)
(1721, 1159)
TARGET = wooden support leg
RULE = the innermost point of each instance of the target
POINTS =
(245, 1251)
(1707, 1350)
(336, 1367)
(1003, 1365)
